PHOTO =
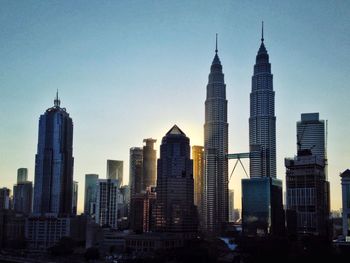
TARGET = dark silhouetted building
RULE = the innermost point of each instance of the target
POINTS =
(90, 198)
(262, 207)
(22, 197)
(4, 198)
(175, 211)
(136, 170)
(142, 206)
(149, 174)
(345, 184)
(75, 198)
(11, 229)
(54, 162)
(215, 202)
(308, 193)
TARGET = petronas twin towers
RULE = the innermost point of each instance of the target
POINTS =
(262, 137)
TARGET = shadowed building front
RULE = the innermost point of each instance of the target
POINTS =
(54, 163)
(215, 203)
(175, 211)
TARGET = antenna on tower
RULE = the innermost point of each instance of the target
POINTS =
(216, 43)
(57, 101)
(262, 31)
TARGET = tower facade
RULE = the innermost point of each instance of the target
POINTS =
(262, 121)
(91, 181)
(215, 202)
(311, 134)
(198, 177)
(115, 170)
(345, 186)
(107, 203)
(149, 176)
(175, 211)
(22, 175)
(54, 162)
(136, 170)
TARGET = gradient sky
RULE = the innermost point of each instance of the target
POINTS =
(129, 70)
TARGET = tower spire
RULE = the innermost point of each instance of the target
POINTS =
(262, 31)
(216, 43)
(57, 101)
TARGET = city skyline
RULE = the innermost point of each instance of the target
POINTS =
(95, 86)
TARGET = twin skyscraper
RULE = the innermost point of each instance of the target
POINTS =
(262, 146)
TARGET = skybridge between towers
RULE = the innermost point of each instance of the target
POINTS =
(238, 157)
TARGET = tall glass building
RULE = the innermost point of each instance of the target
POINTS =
(175, 211)
(149, 173)
(90, 200)
(262, 204)
(54, 162)
(345, 185)
(262, 121)
(215, 202)
(135, 170)
(115, 170)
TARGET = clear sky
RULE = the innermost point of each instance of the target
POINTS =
(129, 70)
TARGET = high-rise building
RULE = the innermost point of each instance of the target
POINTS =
(311, 134)
(23, 196)
(136, 169)
(141, 214)
(75, 198)
(262, 121)
(308, 203)
(22, 175)
(262, 208)
(198, 177)
(107, 203)
(345, 185)
(115, 170)
(149, 176)
(4, 198)
(175, 211)
(231, 205)
(54, 162)
(90, 194)
(215, 202)
(262, 201)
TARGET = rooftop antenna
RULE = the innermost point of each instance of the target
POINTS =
(216, 43)
(57, 101)
(262, 31)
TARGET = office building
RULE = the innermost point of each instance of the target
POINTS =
(308, 204)
(90, 197)
(345, 185)
(141, 214)
(22, 175)
(262, 120)
(5, 198)
(75, 198)
(115, 170)
(53, 183)
(107, 203)
(262, 201)
(198, 178)
(311, 134)
(231, 205)
(215, 202)
(149, 176)
(11, 229)
(175, 210)
(22, 197)
(136, 170)
(262, 208)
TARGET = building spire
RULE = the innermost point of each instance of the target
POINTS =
(262, 31)
(216, 43)
(57, 101)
